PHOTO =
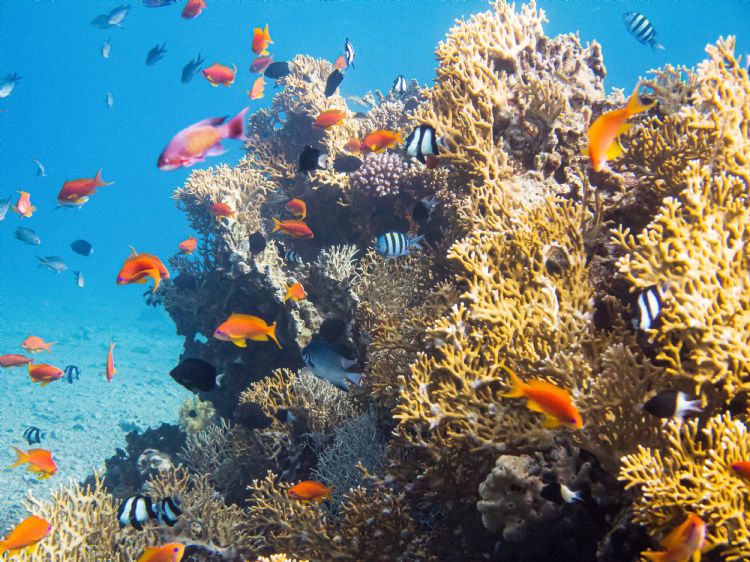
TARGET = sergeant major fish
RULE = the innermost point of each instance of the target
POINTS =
(328, 364)
(639, 27)
(397, 244)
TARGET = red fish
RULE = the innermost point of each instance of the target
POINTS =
(308, 490)
(23, 206)
(188, 246)
(25, 536)
(35, 344)
(75, 193)
(297, 207)
(193, 9)
(256, 92)
(222, 211)
(381, 140)
(295, 291)
(44, 373)
(239, 328)
(219, 74)
(340, 63)
(297, 229)
(259, 64)
(193, 144)
(329, 118)
(111, 361)
(14, 360)
(172, 552)
(261, 39)
(39, 460)
(683, 543)
(138, 268)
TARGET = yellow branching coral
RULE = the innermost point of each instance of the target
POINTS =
(694, 474)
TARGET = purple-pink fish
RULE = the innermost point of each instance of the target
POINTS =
(260, 63)
(202, 139)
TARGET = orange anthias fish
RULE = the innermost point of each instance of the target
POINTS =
(23, 206)
(340, 63)
(25, 535)
(222, 211)
(604, 133)
(219, 74)
(353, 146)
(683, 543)
(295, 291)
(256, 92)
(75, 193)
(111, 361)
(546, 398)
(310, 490)
(297, 207)
(193, 9)
(188, 246)
(35, 344)
(742, 468)
(381, 140)
(239, 328)
(40, 460)
(297, 229)
(138, 268)
(329, 118)
(261, 39)
(44, 373)
(14, 360)
(172, 552)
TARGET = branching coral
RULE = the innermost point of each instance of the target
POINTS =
(338, 263)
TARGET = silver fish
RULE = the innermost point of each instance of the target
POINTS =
(4, 204)
(156, 54)
(328, 364)
(27, 235)
(8, 84)
(106, 48)
(39, 168)
(101, 22)
(110, 101)
(191, 68)
(53, 262)
(79, 279)
(118, 15)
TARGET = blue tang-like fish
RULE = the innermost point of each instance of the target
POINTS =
(328, 364)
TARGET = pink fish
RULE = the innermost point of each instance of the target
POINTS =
(260, 64)
(193, 144)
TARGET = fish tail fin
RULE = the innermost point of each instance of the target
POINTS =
(400, 134)
(276, 224)
(634, 103)
(656, 45)
(354, 378)
(655, 556)
(98, 181)
(3, 547)
(415, 242)
(518, 388)
(272, 334)
(21, 457)
(154, 274)
(235, 127)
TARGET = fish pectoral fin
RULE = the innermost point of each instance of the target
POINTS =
(216, 150)
(239, 342)
(615, 150)
(534, 407)
(551, 423)
(339, 382)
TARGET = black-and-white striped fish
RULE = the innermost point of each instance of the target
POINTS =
(135, 511)
(671, 404)
(640, 28)
(649, 307)
(422, 142)
(168, 511)
(291, 256)
(34, 435)
(349, 53)
(399, 85)
(397, 244)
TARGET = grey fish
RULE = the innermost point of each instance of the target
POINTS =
(27, 235)
(4, 204)
(347, 163)
(118, 15)
(156, 54)
(158, 3)
(8, 84)
(53, 262)
(328, 364)
(191, 69)
(39, 168)
(101, 22)
(110, 100)
(80, 281)
(106, 48)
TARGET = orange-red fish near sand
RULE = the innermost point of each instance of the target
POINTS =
(138, 268)
(548, 399)
(261, 39)
(188, 246)
(381, 140)
(297, 207)
(222, 211)
(172, 552)
(604, 132)
(219, 74)
(329, 118)
(25, 536)
(44, 373)
(353, 146)
(297, 229)
(239, 328)
(683, 543)
(295, 291)
(256, 92)
(742, 468)
(308, 490)
(35, 344)
(340, 63)
(39, 460)
(193, 9)
(14, 360)
(23, 206)
(111, 361)
(75, 193)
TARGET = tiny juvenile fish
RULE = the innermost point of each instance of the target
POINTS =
(34, 435)
(328, 364)
(294, 228)
(28, 236)
(156, 54)
(191, 69)
(261, 39)
(397, 244)
(53, 262)
(39, 461)
(106, 48)
(310, 490)
(25, 535)
(239, 328)
(639, 27)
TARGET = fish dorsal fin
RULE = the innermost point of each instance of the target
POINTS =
(134, 253)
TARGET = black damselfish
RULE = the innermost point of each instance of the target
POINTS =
(195, 374)
(277, 70)
(346, 163)
(333, 81)
(82, 247)
(257, 242)
(311, 159)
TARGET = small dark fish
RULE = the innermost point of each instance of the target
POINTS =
(191, 69)
(73, 372)
(649, 307)
(312, 159)
(82, 247)
(285, 415)
(156, 54)
(277, 70)
(360, 115)
(251, 416)
(292, 257)
(333, 81)
(640, 28)
(158, 3)
(39, 168)
(34, 435)
(560, 493)
(27, 235)
(422, 142)
(399, 85)
(346, 163)
(423, 209)
(53, 262)
(195, 374)
(671, 404)
(80, 281)
(349, 53)
(257, 242)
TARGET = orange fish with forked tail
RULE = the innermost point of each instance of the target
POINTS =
(25, 536)
(297, 229)
(138, 268)
(239, 328)
(188, 245)
(39, 460)
(379, 141)
(44, 373)
(548, 399)
(261, 39)
(310, 490)
(172, 552)
(35, 344)
(329, 118)
(605, 131)
(295, 291)
(683, 543)
(220, 74)
(75, 193)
